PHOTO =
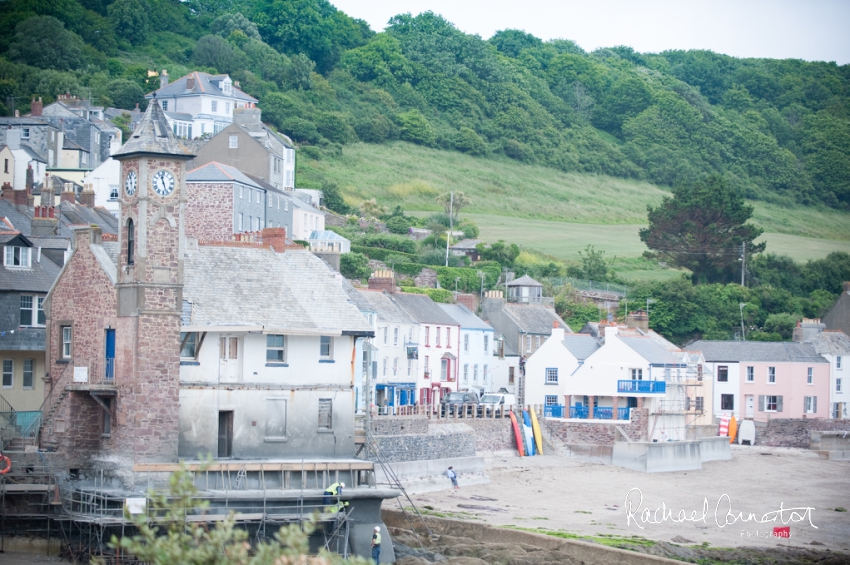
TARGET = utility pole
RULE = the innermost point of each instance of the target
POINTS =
(743, 261)
(741, 306)
(451, 224)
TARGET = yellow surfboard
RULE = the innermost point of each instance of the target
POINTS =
(733, 429)
(535, 428)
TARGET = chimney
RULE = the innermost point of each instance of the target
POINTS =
(468, 300)
(36, 107)
(87, 235)
(29, 180)
(136, 109)
(190, 83)
(163, 79)
(47, 194)
(20, 201)
(17, 113)
(87, 196)
(13, 138)
(382, 280)
(610, 330)
(68, 194)
(557, 331)
(846, 286)
(8, 192)
(275, 238)
(44, 222)
(807, 329)
(247, 116)
(236, 84)
(638, 319)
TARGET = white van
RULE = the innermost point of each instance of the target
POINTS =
(491, 402)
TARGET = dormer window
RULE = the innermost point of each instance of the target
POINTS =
(226, 86)
(18, 257)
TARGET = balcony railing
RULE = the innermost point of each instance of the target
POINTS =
(599, 413)
(553, 411)
(651, 387)
(541, 300)
(579, 412)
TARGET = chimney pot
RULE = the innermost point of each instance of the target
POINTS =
(87, 197)
(36, 107)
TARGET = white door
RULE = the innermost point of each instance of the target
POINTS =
(750, 406)
(230, 365)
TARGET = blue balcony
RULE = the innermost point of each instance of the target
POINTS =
(607, 413)
(553, 411)
(642, 387)
(578, 412)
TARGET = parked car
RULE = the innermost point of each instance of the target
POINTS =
(459, 401)
(491, 402)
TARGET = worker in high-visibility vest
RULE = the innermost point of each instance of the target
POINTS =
(376, 545)
(335, 490)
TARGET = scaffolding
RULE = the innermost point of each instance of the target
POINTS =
(684, 397)
(28, 498)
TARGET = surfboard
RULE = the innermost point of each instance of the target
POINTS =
(733, 429)
(538, 437)
(526, 433)
(517, 434)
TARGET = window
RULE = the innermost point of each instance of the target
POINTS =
(214, 106)
(325, 347)
(131, 242)
(537, 345)
(551, 376)
(241, 191)
(239, 219)
(837, 385)
(466, 373)
(66, 341)
(259, 197)
(770, 403)
(32, 310)
(113, 192)
(466, 342)
(188, 345)
(386, 333)
(410, 335)
(286, 205)
(727, 401)
(165, 105)
(448, 337)
(550, 400)
(271, 202)
(5, 165)
(25, 133)
(837, 411)
(723, 374)
(325, 414)
(8, 373)
(233, 142)
(17, 256)
(528, 344)
(637, 374)
(838, 362)
(810, 404)
(751, 374)
(395, 366)
(276, 348)
(438, 337)
(395, 336)
(810, 377)
(386, 362)
(250, 220)
(409, 367)
(426, 366)
(227, 108)
(257, 223)
(427, 336)
(511, 375)
(486, 343)
(106, 422)
(771, 374)
(700, 403)
(29, 364)
(484, 374)
(475, 374)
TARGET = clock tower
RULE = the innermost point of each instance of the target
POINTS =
(150, 284)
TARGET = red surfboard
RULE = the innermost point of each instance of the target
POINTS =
(517, 434)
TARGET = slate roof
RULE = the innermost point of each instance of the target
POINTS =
(69, 144)
(831, 342)
(267, 186)
(77, 214)
(378, 302)
(464, 316)
(33, 154)
(181, 116)
(247, 286)
(524, 281)
(205, 83)
(22, 121)
(651, 350)
(423, 309)
(534, 319)
(301, 205)
(466, 244)
(757, 351)
(581, 346)
(153, 136)
(217, 172)
(38, 277)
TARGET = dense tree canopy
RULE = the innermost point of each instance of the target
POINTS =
(703, 228)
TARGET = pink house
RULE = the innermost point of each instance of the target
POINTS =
(767, 380)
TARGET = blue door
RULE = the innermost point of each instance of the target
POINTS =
(110, 354)
(403, 400)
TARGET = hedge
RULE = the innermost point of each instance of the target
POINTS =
(436, 294)
(379, 253)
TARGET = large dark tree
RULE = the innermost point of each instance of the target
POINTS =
(702, 228)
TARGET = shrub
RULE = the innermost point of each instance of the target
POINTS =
(398, 225)
(519, 151)
(436, 294)
(416, 128)
(470, 142)
(354, 265)
(782, 324)
(386, 241)
(300, 129)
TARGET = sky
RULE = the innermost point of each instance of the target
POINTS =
(813, 30)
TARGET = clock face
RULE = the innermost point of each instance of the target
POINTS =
(163, 183)
(130, 183)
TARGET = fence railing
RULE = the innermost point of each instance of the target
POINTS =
(652, 387)
(590, 285)
(599, 413)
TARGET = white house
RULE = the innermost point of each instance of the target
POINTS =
(106, 182)
(200, 104)
(475, 361)
(305, 219)
(834, 346)
(580, 376)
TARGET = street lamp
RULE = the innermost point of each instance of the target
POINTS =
(741, 306)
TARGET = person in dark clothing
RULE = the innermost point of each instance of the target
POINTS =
(335, 490)
(376, 545)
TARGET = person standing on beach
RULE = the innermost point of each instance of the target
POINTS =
(453, 476)
(376, 545)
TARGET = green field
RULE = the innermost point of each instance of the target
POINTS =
(546, 210)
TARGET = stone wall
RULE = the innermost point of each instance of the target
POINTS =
(209, 210)
(446, 441)
(491, 434)
(406, 425)
(795, 432)
(598, 432)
